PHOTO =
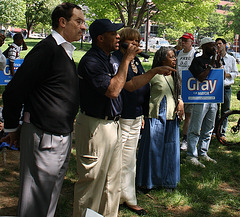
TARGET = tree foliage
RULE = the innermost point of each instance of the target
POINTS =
(133, 13)
(37, 11)
(234, 18)
(12, 11)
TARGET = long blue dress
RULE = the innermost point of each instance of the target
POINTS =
(158, 159)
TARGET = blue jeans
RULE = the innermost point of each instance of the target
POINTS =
(225, 107)
(200, 128)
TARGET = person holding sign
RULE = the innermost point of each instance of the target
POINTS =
(13, 51)
(184, 60)
(203, 114)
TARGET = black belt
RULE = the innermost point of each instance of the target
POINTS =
(116, 118)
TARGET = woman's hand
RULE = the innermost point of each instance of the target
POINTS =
(180, 109)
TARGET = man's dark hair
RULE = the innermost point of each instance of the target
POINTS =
(221, 39)
(17, 36)
(63, 10)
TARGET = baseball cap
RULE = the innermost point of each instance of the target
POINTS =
(100, 26)
(188, 35)
(206, 40)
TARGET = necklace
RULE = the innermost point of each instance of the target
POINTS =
(134, 67)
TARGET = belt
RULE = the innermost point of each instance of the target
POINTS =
(115, 118)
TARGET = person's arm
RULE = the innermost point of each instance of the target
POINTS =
(234, 70)
(141, 80)
(119, 80)
(24, 46)
(198, 70)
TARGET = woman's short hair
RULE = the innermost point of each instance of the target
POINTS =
(129, 34)
(63, 10)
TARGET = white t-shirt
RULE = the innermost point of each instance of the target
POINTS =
(184, 60)
(14, 52)
(2, 61)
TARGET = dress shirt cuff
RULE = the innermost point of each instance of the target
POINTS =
(10, 130)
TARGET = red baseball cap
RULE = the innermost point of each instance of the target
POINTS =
(188, 35)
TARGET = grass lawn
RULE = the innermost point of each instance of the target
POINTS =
(213, 191)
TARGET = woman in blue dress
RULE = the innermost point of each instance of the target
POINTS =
(158, 160)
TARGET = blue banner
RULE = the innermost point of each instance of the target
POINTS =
(5, 75)
(208, 91)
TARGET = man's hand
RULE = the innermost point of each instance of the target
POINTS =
(164, 70)
(132, 51)
(12, 138)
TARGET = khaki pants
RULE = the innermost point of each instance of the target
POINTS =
(130, 135)
(98, 146)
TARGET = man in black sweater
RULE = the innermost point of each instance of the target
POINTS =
(47, 85)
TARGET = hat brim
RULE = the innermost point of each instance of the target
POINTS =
(114, 27)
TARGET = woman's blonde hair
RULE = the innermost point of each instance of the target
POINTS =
(129, 34)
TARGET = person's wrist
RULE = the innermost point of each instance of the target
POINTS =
(210, 66)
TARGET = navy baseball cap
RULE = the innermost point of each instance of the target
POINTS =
(100, 26)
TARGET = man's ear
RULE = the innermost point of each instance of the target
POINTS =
(100, 38)
(62, 21)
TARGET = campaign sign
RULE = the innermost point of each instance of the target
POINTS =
(5, 75)
(208, 91)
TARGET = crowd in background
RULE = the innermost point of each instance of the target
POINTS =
(116, 100)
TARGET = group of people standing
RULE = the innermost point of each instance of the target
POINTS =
(116, 98)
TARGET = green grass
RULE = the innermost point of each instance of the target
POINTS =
(213, 191)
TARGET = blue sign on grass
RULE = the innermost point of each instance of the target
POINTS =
(5, 75)
(208, 91)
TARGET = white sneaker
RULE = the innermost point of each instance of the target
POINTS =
(207, 158)
(184, 145)
(194, 161)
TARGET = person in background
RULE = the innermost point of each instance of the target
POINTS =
(158, 159)
(48, 86)
(230, 72)
(2, 57)
(184, 60)
(178, 47)
(203, 114)
(135, 95)
(13, 51)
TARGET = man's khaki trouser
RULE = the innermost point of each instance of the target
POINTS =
(98, 146)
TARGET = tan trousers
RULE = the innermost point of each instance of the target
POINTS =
(130, 135)
(98, 146)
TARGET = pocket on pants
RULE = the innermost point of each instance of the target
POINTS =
(45, 141)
